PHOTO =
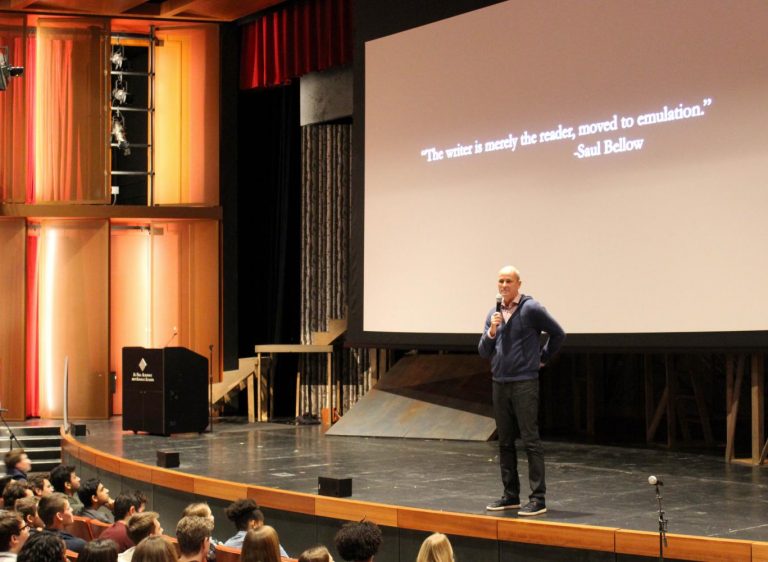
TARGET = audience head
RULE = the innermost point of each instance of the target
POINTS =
(93, 494)
(15, 490)
(435, 548)
(200, 509)
(13, 532)
(155, 549)
(40, 484)
(358, 542)
(55, 511)
(143, 525)
(27, 508)
(261, 545)
(18, 459)
(43, 547)
(316, 554)
(4, 480)
(128, 504)
(65, 480)
(194, 533)
(99, 550)
(245, 514)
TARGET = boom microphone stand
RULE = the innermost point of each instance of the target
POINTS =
(653, 481)
(12, 436)
(210, 388)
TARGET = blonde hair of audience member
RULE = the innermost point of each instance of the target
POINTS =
(435, 548)
(201, 509)
(155, 549)
(261, 545)
(316, 554)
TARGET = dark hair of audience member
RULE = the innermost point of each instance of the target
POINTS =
(124, 502)
(99, 550)
(37, 482)
(12, 458)
(87, 490)
(27, 508)
(4, 482)
(10, 525)
(261, 545)
(15, 490)
(358, 541)
(315, 554)
(242, 512)
(141, 525)
(43, 547)
(155, 549)
(49, 506)
(191, 532)
(60, 476)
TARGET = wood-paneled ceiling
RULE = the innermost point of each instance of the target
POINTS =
(209, 10)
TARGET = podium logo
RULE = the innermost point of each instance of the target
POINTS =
(142, 376)
(142, 364)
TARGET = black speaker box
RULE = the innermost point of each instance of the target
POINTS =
(168, 459)
(335, 487)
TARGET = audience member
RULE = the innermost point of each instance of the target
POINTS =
(261, 545)
(100, 550)
(358, 542)
(202, 509)
(194, 536)
(56, 514)
(126, 505)
(316, 554)
(17, 464)
(155, 549)
(40, 484)
(66, 481)
(141, 526)
(4, 481)
(43, 547)
(27, 508)
(435, 548)
(15, 490)
(96, 501)
(13, 534)
(246, 515)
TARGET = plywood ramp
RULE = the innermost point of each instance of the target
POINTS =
(426, 397)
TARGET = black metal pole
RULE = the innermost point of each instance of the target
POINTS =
(210, 388)
(662, 526)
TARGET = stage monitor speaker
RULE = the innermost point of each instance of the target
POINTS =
(334, 487)
(77, 429)
(168, 459)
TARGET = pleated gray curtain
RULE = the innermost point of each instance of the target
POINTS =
(325, 235)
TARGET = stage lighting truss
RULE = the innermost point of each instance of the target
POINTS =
(117, 58)
(118, 133)
(6, 70)
(120, 93)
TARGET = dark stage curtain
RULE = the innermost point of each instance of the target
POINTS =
(269, 227)
(301, 37)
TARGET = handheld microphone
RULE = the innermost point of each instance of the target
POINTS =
(498, 302)
(653, 481)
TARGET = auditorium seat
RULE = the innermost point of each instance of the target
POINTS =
(71, 555)
(80, 528)
(97, 527)
(227, 553)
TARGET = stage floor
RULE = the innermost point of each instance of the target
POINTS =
(586, 484)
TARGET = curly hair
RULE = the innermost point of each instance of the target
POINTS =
(242, 512)
(356, 542)
(43, 547)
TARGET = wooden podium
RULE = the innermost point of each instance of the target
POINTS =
(165, 390)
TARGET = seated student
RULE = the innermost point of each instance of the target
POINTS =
(358, 542)
(316, 554)
(27, 508)
(13, 534)
(155, 549)
(99, 550)
(66, 481)
(43, 547)
(56, 514)
(261, 545)
(126, 505)
(17, 464)
(15, 490)
(246, 515)
(4, 481)
(202, 509)
(95, 498)
(194, 536)
(435, 548)
(141, 526)
(40, 484)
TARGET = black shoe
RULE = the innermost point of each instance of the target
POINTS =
(533, 507)
(503, 503)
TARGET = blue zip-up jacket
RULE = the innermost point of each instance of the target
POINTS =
(516, 352)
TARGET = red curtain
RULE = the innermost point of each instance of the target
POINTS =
(303, 37)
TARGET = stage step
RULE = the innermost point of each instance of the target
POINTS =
(41, 443)
(426, 397)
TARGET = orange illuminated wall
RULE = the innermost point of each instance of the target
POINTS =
(12, 298)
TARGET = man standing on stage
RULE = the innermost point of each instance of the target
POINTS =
(511, 341)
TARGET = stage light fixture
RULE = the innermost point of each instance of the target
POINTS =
(120, 93)
(117, 58)
(118, 133)
(6, 70)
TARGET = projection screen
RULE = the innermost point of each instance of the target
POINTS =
(615, 152)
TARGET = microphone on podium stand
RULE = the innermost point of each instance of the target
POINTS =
(175, 333)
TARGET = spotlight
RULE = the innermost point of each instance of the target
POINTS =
(118, 133)
(120, 92)
(6, 70)
(117, 58)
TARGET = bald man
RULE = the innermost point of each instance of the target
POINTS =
(511, 340)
